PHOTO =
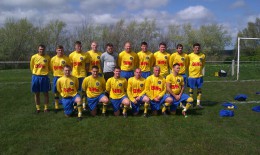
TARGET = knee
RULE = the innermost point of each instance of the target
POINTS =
(190, 99)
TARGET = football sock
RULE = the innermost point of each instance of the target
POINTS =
(188, 105)
(45, 106)
(79, 110)
(191, 92)
(56, 97)
(38, 107)
(199, 96)
(125, 109)
(146, 105)
(104, 109)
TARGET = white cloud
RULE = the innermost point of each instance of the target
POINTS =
(144, 4)
(194, 13)
(104, 19)
(238, 4)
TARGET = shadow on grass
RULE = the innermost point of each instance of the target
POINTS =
(209, 103)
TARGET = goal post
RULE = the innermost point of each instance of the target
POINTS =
(238, 52)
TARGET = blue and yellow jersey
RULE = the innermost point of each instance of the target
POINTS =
(40, 64)
(93, 86)
(116, 87)
(57, 64)
(78, 61)
(94, 59)
(181, 59)
(177, 82)
(127, 61)
(67, 86)
(135, 88)
(162, 60)
(196, 64)
(146, 61)
(155, 86)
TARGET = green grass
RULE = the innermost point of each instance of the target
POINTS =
(203, 132)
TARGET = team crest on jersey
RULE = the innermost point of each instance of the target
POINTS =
(200, 59)
(141, 85)
(178, 80)
(120, 84)
(147, 58)
(81, 58)
(97, 84)
(182, 59)
(131, 58)
(98, 57)
(45, 60)
(63, 62)
(71, 83)
(165, 57)
(159, 82)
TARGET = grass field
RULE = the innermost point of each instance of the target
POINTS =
(203, 132)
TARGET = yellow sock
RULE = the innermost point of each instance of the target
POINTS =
(167, 104)
(125, 109)
(45, 106)
(164, 109)
(191, 92)
(84, 102)
(56, 96)
(146, 105)
(198, 99)
(188, 105)
(79, 110)
(38, 107)
(104, 109)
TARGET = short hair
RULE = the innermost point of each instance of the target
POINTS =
(144, 43)
(163, 43)
(109, 45)
(77, 43)
(176, 64)
(67, 66)
(128, 42)
(117, 67)
(41, 45)
(196, 44)
(158, 67)
(59, 47)
(179, 45)
(95, 67)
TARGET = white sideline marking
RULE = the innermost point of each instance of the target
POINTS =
(243, 102)
(232, 81)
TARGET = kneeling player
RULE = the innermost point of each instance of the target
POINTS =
(175, 86)
(93, 86)
(136, 92)
(67, 86)
(116, 87)
(155, 87)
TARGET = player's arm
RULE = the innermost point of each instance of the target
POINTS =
(84, 88)
(108, 86)
(147, 88)
(160, 95)
(119, 59)
(58, 85)
(51, 64)
(129, 90)
(32, 63)
(136, 61)
(203, 61)
(87, 61)
(171, 60)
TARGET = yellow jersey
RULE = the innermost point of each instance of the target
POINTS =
(67, 86)
(94, 59)
(155, 86)
(127, 61)
(57, 64)
(177, 82)
(162, 60)
(93, 86)
(146, 61)
(116, 87)
(78, 61)
(196, 64)
(40, 64)
(135, 88)
(181, 59)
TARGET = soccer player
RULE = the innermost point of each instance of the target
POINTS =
(40, 67)
(57, 64)
(93, 87)
(127, 60)
(155, 88)
(182, 59)
(196, 64)
(108, 61)
(67, 86)
(162, 59)
(175, 87)
(146, 60)
(136, 92)
(94, 58)
(116, 87)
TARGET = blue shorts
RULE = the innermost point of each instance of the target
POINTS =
(195, 82)
(185, 79)
(156, 105)
(93, 102)
(145, 74)
(175, 104)
(116, 103)
(136, 107)
(67, 104)
(40, 83)
(80, 83)
(126, 74)
(54, 81)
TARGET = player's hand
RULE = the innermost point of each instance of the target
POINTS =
(137, 98)
(157, 99)
(177, 97)
(135, 102)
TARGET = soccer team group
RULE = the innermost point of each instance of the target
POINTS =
(123, 80)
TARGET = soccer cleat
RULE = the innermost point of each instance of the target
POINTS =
(46, 110)
(79, 118)
(164, 114)
(145, 115)
(104, 114)
(125, 115)
(184, 113)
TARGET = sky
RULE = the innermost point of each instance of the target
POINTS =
(232, 14)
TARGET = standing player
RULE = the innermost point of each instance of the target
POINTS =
(162, 59)
(175, 87)
(196, 64)
(108, 61)
(155, 88)
(136, 92)
(40, 67)
(57, 64)
(93, 87)
(94, 58)
(182, 59)
(127, 60)
(116, 87)
(146, 60)
(68, 86)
